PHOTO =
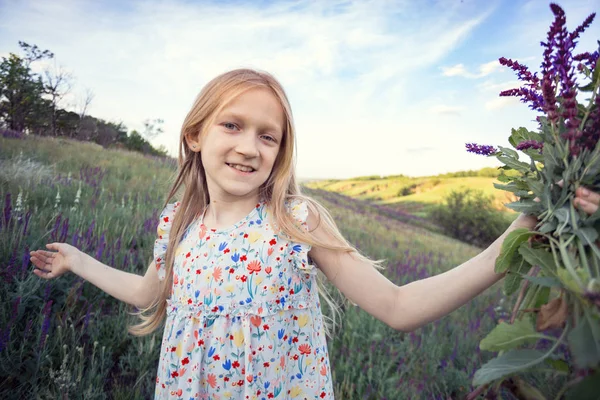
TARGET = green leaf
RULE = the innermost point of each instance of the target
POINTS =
(569, 282)
(514, 164)
(587, 235)
(510, 187)
(584, 341)
(587, 389)
(506, 336)
(551, 158)
(507, 364)
(545, 281)
(509, 152)
(558, 364)
(515, 275)
(504, 178)
(525, 206)
(548, 227)
(539, 257)
(509, 247)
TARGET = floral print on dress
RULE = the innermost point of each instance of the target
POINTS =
(244, 319)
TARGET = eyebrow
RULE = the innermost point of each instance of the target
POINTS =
(267, 126)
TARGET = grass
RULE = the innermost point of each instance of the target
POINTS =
(67, 339)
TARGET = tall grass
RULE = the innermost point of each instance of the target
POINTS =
(65, 338)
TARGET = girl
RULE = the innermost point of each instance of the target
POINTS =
(232, 268)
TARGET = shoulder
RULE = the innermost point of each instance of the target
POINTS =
(297, 207)
(166, 217)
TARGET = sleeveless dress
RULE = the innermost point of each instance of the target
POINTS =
(244, 319)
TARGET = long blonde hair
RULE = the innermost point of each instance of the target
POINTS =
(278, 188)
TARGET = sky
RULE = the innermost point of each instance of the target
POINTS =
(376, 87)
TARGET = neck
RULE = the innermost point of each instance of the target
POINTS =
(224, 212)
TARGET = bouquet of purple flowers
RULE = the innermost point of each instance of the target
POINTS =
(555, 325)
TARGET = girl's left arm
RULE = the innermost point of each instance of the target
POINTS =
(413, 305)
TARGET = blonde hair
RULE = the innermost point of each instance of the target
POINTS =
(280, 187)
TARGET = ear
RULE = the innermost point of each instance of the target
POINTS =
(193, 143)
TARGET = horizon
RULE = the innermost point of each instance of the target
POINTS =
(416, 84)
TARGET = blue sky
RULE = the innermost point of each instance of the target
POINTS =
(376, 87)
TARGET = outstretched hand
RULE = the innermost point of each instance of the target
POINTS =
(585, 200)
(52, 264)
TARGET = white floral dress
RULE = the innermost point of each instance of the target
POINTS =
(244, 319)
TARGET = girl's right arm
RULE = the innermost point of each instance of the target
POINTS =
(133, 289)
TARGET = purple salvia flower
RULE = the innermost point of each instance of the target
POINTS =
(549, 99)
(90, 232)
(584, 25)
(27, 216)
(522, 71)
(47, 291)
(530, 144)
(54, 234)
(75, 238)
(587, 59)
(25, 261)
(64, 231)
(101, 247)
(527, 96)
(46, 324)
(483, 150)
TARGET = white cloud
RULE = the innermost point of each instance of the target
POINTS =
(460, 70)
(446, 110)
(500, 102)
(358, 74)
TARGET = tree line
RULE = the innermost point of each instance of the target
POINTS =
(33, 103)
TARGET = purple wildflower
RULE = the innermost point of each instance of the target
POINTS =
(27, 217)
(46, 324)
(530, 144)
(588, 59)
(484, 150)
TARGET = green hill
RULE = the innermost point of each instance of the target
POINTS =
(415, 195)
(67, 322)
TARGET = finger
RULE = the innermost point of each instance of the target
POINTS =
(44, 258)
(53, 246)
(42, 252)
(586, 206)
(41, 264)
(588, 195)
(42, 274)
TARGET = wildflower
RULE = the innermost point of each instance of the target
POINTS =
(530, 144)
(484, 150)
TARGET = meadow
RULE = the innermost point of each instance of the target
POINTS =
(65, 339)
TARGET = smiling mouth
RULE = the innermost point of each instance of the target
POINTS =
(242, 168)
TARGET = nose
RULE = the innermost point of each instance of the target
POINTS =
(247, 145)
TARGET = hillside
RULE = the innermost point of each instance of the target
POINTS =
(114, 219)
(413, 195)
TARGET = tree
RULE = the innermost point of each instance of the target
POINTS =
(152, 128)
(57, 84)
(21, 103)
(82, 108)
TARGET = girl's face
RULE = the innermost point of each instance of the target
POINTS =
(239, 149)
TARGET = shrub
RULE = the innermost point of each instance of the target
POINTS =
(469, 215)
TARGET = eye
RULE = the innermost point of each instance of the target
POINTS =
(229, 126)
(270, 138)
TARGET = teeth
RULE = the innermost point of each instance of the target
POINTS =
(241, 167)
